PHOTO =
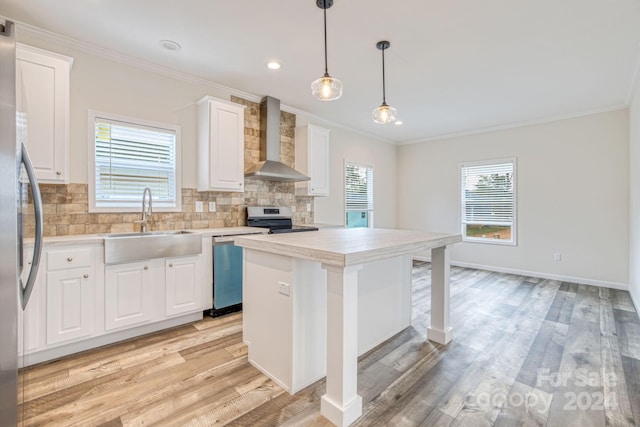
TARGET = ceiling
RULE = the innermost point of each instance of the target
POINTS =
(454, 66)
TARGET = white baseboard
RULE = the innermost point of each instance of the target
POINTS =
(579, 280)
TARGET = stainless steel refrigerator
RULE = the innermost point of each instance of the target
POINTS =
(14, 294)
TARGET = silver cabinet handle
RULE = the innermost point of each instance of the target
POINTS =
(58, 173)
(26, 289)
(146, 267)
(171, 264)
(69, 259)
(86, 276)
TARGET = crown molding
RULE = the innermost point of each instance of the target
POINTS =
(514, 125)
(112, 55)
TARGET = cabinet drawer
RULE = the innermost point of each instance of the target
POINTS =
(68, 258)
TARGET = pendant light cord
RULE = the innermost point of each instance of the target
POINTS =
(384, 100)
(326, 67)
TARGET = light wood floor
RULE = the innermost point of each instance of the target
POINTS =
(525, 351)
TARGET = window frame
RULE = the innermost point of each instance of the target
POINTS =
(119, 206)
(514, 179)
(344, 185)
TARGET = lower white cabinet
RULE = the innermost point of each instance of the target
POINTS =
(70, 290)
(31, 320)
(70, 297)
(78, 303)
(183, 285)
(130, 296)
(135, 293)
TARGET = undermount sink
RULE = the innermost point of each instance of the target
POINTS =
(128, 247)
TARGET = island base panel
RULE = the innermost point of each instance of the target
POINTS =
(286, 335)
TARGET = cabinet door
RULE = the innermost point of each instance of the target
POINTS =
(183, 285)
(70, 297)
(312, 159)
(318, 161)
(42, 97)
(129, 294)
(221, 145)
(31, 322)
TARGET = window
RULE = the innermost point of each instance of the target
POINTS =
(358, 184)
(488, 201)
(128, 155)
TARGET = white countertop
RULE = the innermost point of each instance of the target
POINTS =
(347, 246)
(88, 239)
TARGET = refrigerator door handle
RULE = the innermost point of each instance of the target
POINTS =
(26, 289)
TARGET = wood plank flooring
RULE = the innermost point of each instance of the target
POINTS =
(525, 352)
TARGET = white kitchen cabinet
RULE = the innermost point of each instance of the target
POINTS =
(31, 321)
(70, 289)
(130, 294)
(70, 296)
(183, 285)
(42, 98)
(312, 159)
(220, 145)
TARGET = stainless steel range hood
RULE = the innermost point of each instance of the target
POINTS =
(270, 168)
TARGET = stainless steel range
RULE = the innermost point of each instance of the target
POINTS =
(276, 219)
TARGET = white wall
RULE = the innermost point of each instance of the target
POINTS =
(111, 86)
(634, 198)
(353, 147)
(572, 196)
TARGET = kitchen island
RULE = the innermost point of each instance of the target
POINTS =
(313, 302)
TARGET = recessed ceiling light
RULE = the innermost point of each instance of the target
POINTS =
(170, 45)
(274, 65)
(398, 122)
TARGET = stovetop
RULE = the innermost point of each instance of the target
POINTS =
(276, 219)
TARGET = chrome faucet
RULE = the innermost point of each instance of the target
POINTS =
(146, 210)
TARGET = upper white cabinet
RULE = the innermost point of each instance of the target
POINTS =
(312, 159)
(220, 145)
(42, 97)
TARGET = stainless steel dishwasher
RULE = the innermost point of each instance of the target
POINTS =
(227, 276)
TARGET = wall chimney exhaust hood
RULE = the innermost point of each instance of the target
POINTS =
(270, 168)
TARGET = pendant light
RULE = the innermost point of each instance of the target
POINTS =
(326, 88)
(384, 113)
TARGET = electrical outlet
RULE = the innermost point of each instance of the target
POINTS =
(308, 207)
(212, 206)
(284, 288)
(199, 207)
(557, 256)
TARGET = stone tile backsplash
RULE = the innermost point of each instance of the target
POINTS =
(66, 210)
(66, 207)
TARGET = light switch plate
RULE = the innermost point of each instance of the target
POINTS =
(212, 206)
(284, 288)
(199, 207)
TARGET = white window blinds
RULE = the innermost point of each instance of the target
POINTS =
(358, 183)
(487, 194)
(358, 187)
(130, 157)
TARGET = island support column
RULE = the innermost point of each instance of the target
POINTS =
(341, 403)
(439, 331)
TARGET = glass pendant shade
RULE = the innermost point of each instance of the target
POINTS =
(326, 88)
(384, 114)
